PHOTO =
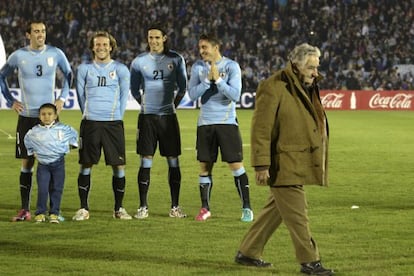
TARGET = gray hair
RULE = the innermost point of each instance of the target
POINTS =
(300, 54)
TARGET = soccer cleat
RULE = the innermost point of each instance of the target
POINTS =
(203, 215)
(121, 214)
(244, 260)
(176, 212)
(61, 218)
(142, 213)
(247, 215)
(22, 215)
(54, 218)
(315, 268)
(81, 214)
(40, 218)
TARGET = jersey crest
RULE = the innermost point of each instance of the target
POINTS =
(112, 74)
(50, 61)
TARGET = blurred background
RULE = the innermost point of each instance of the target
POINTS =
(365, 45)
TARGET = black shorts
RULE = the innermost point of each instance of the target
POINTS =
(225, 137)
(24, 124)
(107, 135)
(161, 129)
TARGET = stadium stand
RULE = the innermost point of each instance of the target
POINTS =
(365, 44)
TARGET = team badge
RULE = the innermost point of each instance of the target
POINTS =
(112, 74)
(170, 66)
(50, 61)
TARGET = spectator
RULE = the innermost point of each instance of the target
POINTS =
(351, 82)
(375, 28)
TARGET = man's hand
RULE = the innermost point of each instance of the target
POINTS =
(59, 105)
(17, 106)
(213, 75)
(261, 177)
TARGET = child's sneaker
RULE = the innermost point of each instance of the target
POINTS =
(54, 218)
(40, 218)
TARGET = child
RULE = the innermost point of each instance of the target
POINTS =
(49, 141)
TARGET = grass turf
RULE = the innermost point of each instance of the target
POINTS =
(371, 166)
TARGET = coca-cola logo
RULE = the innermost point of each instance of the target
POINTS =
(397, 101)
(332, 100)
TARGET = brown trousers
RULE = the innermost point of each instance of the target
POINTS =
(287, 204)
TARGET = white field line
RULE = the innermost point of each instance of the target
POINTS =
(9, 136)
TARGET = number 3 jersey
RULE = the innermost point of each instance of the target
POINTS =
(158, 76)
(102, 90)
(37, 74)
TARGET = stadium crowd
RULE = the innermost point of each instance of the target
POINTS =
(362, 42)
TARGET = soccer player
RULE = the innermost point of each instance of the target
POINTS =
(102, 88)
(216, 79)
(36, 64)
(49, 141)
(159, 72)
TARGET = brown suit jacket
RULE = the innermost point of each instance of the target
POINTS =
(289, 131)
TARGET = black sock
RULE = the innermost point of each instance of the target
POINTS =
(174, 180)
(25, 189)
(84, 185)
(205, 193)
(242, 186)
(143, 185)
(118, 186)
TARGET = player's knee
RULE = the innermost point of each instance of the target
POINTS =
(173, 162)
(26, 170)
(118, 172)
(85, 171)
(146, 162)
(238, 172)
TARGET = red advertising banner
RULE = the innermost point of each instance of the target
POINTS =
(367, 100)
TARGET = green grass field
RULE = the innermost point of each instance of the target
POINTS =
(371, 166)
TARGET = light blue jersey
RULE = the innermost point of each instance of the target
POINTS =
(158, 76)
(218, 101)
(103, 90)
(36, 74)
(50, 143)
